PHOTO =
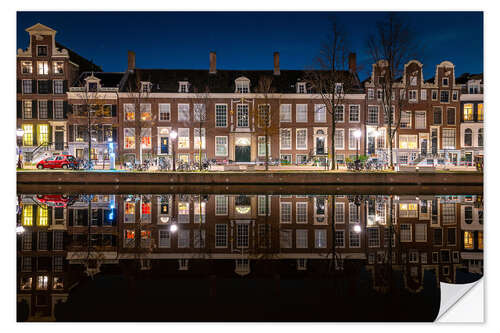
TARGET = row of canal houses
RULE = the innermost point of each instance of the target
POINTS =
(215, 112)
(67, 239)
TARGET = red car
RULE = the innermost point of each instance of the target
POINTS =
(55, 200)
(59, 161)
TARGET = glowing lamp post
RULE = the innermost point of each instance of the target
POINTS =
(173, 136)
(112, 156)
(357, 135)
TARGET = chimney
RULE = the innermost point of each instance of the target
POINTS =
(131, 60)
(276, 63)
(213, 60)
(352, 62)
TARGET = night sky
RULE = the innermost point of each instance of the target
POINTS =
(247, 40)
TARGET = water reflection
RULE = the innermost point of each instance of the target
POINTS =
(197, 257)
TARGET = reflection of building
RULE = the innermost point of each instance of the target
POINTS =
(245, 235)
(45, 70)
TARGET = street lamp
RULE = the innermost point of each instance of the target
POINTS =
(173, 136)
(357, 135)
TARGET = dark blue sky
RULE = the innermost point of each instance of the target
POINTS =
(247, 40)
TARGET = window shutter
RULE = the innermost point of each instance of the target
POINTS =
(65, 109)
(99, 217)
(35, 138)
(65, 86)
(49, 219)
(461, 112)
(49, 88)
(115, 135)
(34, 113)
(70, 133)
(33, 86)
(49, 109)
(50, 135)
(19, 109)
(113, 110)
(85, 217)
(19, 87)
(70, 217)
(475, 112)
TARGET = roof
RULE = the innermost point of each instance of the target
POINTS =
(462, 79)
(108, 79)
(84, 64)
(167, 80)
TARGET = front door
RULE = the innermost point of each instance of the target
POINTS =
(320, 145)
(423, 147)
(164, 145)
(242, 153)
(59, 140)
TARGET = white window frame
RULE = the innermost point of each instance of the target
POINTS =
(185, 112)
(301, 88)
(319, 117)
(225, 145)
(297, 146)
(423, 94)
(283, 147)
(417, 124)
(301, 239)
(303, 108)
(356, 106)
(337, 145)
(225, 115)
(166, 110)
(287, 205)
(183, 86)
(302, 204)
(285, 113)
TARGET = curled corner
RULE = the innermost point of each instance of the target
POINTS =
(461, 303)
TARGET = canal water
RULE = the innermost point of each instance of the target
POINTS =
(175, 257)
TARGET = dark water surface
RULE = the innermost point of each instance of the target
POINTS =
(225, 256)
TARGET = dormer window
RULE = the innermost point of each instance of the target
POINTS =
(146, 87)
(339, 88)
(58, 67)
(445, 82)
(301, 88)
(92, 86)
(242, 85)
(473, 87)
(42, 51)
(183, 86)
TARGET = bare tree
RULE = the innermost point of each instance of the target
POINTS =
(89, 104)
(201, 102)
(391, 46)
(264, 113)
(138, 92)
(331, 78)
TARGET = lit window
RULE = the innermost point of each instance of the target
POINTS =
(285, 138)
(261, 148)
(43, 134)
(420, 120)
(58, 67)
(243, 87)
(405, 119)
(408, 210)
(129, 238)
(320, 238)
(480, 113)
(199, 136)
(423, 94)
(449, 138)
(146, 112)
(43, 216)
(27, 67)
(285, 113)
(339, 139)
(43, 67)
(200, 112)
(146, 138)
(28, 134)
(468, 240)
(129, 111)
(42, 282)
(129, 141)
(183, 138)
(28, 215)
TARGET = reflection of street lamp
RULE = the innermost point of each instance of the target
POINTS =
(357, 135)
(111, 153)
(173, 228)
(357, 228)
(173, 136)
